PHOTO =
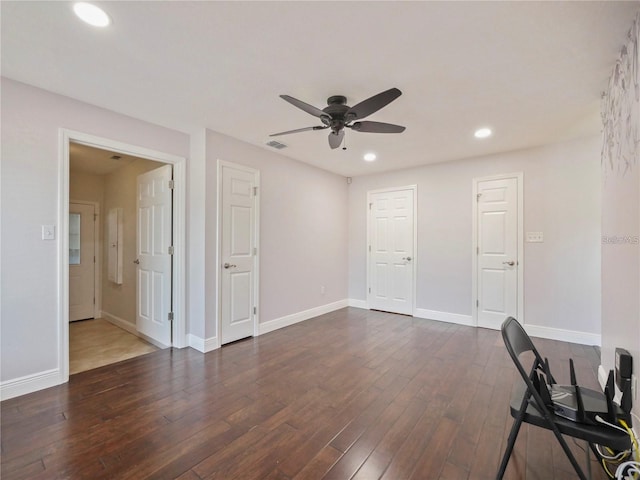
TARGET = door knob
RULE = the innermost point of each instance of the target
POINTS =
(136, 261)
(408, 259)
(511, 263)
(229, 265)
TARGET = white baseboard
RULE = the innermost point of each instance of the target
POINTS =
(30, 383)
(456, 318)
(131, 328)
(120, 322)
(287, 320)
(571, 336)
(203, 345)
(353, 302)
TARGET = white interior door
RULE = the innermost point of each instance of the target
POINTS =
(497, 251)
(154, 207)
(237, 252)
(81, 261)
(391, 251)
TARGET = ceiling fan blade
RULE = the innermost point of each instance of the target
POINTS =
(376, 127)
(306, 129)
(372, 104)
(335, 139)
(316, 112)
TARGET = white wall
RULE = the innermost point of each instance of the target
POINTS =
(31, 119)
(196, 193)
(303, 231)
(621, 212)
(561, 199)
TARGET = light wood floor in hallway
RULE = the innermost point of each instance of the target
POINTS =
(95, 343)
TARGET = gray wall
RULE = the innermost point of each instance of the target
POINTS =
(621, 213)
(31, 122)
(561, 199)
(303, 231)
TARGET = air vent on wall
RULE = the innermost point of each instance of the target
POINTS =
(276, 145)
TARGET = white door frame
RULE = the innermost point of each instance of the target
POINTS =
(414, 267)
(179, 233)
(97, 282)
(256, 257)
(519, 176)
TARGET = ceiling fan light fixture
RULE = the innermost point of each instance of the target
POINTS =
(369, 157)
(484, 132)
(91, 14)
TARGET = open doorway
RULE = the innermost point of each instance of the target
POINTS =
(101, 177)
(104, 237)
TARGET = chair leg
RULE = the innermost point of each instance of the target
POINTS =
(588, 458)
(568, 453)
(515, 428)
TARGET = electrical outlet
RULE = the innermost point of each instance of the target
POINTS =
(48, 232)
(535, 237)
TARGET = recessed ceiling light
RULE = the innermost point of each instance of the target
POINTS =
(369, 157)
(91, 14)
(483, 133)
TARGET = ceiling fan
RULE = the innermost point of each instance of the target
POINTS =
(337, 115)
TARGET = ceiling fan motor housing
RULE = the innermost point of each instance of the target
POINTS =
(337, 100)
(336, 109)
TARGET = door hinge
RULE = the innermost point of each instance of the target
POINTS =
(95, 217)
(171, 316)
(172, 184)
(255, 191)
(369, 247)
(171, 250)
(370, 205)
(369, 289)
(255, 310)
(477, 250)
(477, 303)
(94, 259)
(255, 251)
(478, 197)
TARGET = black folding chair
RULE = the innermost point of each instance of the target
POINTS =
(527, 405)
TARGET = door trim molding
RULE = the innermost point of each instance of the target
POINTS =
(414, 268)
(256, 258)
(519, 176)
(65, 136)
(97, 280)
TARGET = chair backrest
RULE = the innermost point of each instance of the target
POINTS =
(518, 342)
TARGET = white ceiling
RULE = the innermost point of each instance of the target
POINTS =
(86, 159)
(533, 71)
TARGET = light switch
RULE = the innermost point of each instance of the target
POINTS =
(48, 232)
(535, 237)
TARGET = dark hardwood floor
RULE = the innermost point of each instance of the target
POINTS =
(353, 394)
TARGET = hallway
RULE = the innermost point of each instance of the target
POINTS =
(96, 342)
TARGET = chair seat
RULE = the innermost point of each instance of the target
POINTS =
(601, 435)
